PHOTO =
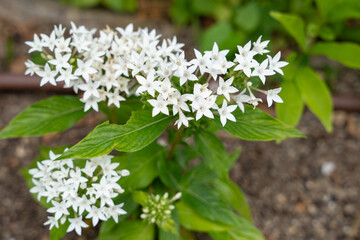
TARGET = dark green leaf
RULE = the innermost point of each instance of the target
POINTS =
(316, 95)
(243, 230)
(130, 230)
(208, 203)
(46, 116)
(142, 166)
(218, 33)
(291, 109)
(337, 10)
(346, 53)
(257, 125)
(140, 197)
(121, 115)
(141, 130)
(199, 174)
(212, 150)
(294, 25)
(82, 3)
(121, 5)
(191, 220)
(170, 173)
(59, 233)
(248, 16)
(232, 194)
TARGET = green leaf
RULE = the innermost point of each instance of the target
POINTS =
(212, 150)
(199, 174)
(179, 11)
(291, 109)
(170, 173)
(191, 220)
(121, 115)
(140, 197)
(59, 233)
(141, 130)
(256, 125)
(294, 25)
(243, 230)
(218, 33)
(121, 5)
(248, 16)
(316, 95)
(232, 194)
(46, 116)
(337, 10)
(346, 53)
(208, 203)
(142, 166)
(82, 3)
(130, 230)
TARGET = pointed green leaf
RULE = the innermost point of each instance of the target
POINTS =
(191, 220)
(256, 125)
(243, 230)
(54, 114)
(337, 10)
(141, 130)
(208, 203)
(130, 230)
(142, 166)
(212, 151)
(346, 53)
(232, 194)
(140, 197)
(316, 95)
(59, 233)
(290, 111)
(294, 25)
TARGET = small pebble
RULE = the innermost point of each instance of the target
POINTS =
(328, 168)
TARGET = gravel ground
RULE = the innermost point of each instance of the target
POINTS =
(290, 196)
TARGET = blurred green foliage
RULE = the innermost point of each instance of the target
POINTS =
(307, 27)
(115, 5)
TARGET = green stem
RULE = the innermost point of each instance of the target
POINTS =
(175, 142)
(112, 115)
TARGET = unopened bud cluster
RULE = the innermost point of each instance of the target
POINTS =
(158, 208)
(76, 193)
(117, 64)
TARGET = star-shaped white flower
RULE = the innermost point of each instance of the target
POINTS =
(85, 69)
(77, 224)
(60, 61)
(225, 112)
(48, 76)
(148, 84)
(160, 105)
(272, 95)
(275, 64)
(261, 71)
(36, 45)
(259, 47)
(225, 87)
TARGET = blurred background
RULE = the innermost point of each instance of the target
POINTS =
(297, 189)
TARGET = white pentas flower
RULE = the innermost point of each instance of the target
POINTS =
(272, 95)
(114, 65)
(76, 193)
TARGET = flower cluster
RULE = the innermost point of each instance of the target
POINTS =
(117, 64)
(76, 193)
(158, 208)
